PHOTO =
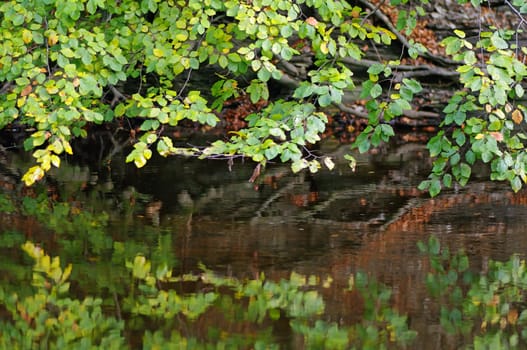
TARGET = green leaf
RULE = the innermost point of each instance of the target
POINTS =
(376, 91)
(272, 152)
(376, 68)
(413, 85)
(304, 90)
(277, 132)
(518, 89)
(452, 45)
(498, 41)
(88, 84)
(424, 185)
(18, 19)
(516, 184)
(447, 180)
(264, 75)
(299, 165)
(223, 62)
(325, 100)
(466, 170)
(435, 187)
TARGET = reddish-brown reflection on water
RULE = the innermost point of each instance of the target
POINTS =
(338, 224)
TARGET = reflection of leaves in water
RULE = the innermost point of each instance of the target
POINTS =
(82, 231)
(490, 307)
(248, 309)
(485, 309)
(149, 295)
(6, 205)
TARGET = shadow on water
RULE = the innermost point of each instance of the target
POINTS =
(334, 224)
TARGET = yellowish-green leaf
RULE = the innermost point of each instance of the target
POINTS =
(328, 162)
(158, 52)
(459, 33)
(33, 175)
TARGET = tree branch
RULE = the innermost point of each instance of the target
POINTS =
(409, 113)
(402, 39)
(408, 71)
(117, 96)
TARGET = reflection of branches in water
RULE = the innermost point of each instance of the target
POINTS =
(278, 194)
(338, 195)
(418, 212)
(117, 148)
(101, 145)
(7, 168)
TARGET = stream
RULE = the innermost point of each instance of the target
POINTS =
(188, 212)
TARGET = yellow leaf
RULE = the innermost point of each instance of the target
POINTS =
(52, 90)
(181, 36)
(158, 52)
(181, 23)
(499, 113)
(32, 250)
(55, 161)
(479, 136)
(459, 33)
(140, 161)
(147, 153)
(21, 101)
(329, 163)
(27, 36)
(67, 147)
(56, 147)
(324, 48)
(66, 273)
(53, 38)
(33, 175)
(327, 282)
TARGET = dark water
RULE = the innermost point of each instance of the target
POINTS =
(328, 224)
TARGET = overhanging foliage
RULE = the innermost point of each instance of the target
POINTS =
(66, 65)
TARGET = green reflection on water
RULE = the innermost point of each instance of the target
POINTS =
(123, 293)
(223, 312)
(487, 310)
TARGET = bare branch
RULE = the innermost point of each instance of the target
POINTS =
(402, 39)
(407, 113)
(117, 96)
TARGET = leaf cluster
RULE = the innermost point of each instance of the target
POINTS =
(66, 66)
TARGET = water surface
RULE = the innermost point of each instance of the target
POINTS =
(328, 224)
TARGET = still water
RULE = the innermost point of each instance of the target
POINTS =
(327, 224)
